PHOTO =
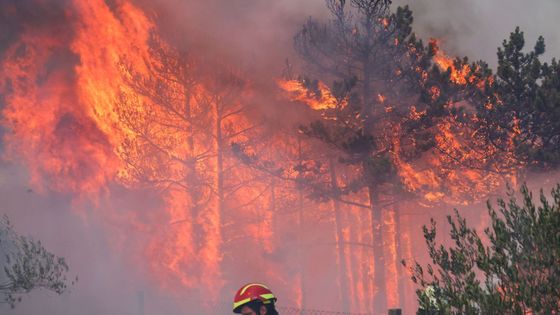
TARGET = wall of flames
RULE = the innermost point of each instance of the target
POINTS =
(82, 128)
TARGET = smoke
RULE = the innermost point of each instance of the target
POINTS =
(477, 28)
(260, 32)
(255, 36)
(102, 249)
(252, 33)
(102, 255)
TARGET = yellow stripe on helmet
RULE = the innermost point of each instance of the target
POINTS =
(268, 297)
(250, 285)
(236, 305)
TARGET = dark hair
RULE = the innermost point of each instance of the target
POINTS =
(271, 309)
(256, 307)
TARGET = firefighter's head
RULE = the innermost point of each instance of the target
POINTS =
(254, 299)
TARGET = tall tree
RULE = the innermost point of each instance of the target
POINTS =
(181, 119)
(302, 167)
(377, 67)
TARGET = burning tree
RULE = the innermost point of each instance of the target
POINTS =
(295, 166)
(392, 119)
(519, 110)
(404, 116)
(513, 114)
(180, 122)
(513, 271)
(377, 66)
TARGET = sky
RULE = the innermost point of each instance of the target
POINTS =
(263, 29)
(475, 28)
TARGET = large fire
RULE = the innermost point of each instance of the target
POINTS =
(461, 168)
(458, 166)
(134, 111)
(73, 132)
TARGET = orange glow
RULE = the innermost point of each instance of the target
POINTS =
(100, 84)
(415, 114)
(461, 169)
(70, 132)
(516, 128)
(407, 244)
(391, 258)
(458, 76)
(322, 100)
(111, 119)
(435, 92)
(381, 98)
(46, 123)
(385, 22)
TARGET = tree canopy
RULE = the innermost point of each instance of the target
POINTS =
(518, 106)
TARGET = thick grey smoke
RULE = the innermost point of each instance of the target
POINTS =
(255, 34)
(260, 32)
(475, 28)
(107, 282)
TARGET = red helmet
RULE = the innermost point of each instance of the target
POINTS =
(251, 292)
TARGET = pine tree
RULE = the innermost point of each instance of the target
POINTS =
(522, 104)
(378, 69)
(180, 119)
(512, 270)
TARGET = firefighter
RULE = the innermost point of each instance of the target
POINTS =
(254, 299)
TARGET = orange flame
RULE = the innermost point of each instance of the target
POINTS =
(69, 131)
(79, 130)
(460, 76)
(322, 100)
(462, 168)
(47, 124)
(391, 258)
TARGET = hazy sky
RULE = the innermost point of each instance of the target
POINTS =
(263, 29)
(477, 27)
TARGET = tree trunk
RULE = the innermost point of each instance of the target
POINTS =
(400, 255)
(191, 179)
(301, 251)
(272, 209)
(355, 227)
(379, 299)
(341, 241)
(220, 207)
(366, 261)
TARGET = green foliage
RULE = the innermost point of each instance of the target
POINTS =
(525, 103)
(27, 265)
(513, 270)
